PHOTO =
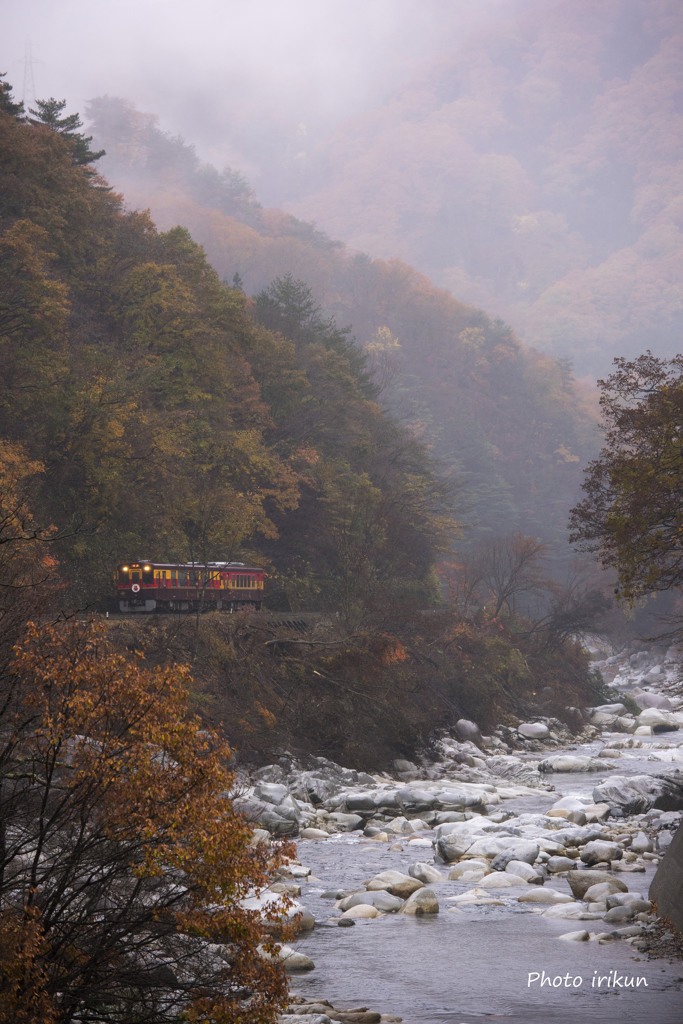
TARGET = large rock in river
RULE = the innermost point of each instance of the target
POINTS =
(380, 899)
(636, 794)
(600, 851)
(533, 730)
(423, 901)
(424, 872)
(518, 849)
(395, 882)
(659, 720)
(666, 889)
(270, 805)
(570, 763)
(581, 881)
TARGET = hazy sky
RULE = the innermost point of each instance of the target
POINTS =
(192, 63)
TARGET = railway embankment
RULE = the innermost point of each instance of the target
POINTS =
(365, 696)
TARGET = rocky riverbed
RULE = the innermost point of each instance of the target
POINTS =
(508, 878)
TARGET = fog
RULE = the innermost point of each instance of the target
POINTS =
(525, 154)
(224, 73)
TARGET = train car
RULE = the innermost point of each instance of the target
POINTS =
(146, 586)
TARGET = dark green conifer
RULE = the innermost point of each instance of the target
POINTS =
(7, 103)
(48, 113)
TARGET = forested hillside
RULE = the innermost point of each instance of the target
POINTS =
(150, 410)
(507, 425)
(146, 412)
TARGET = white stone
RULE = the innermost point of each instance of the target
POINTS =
(601, 890)
(571, 912)
(533, 730)
(646, 699)
(314, 833)
(570, 763)
(477, 897)
(501, 880)
(380, 899)
(292, 959)
(596, 812)
(459, 870)
(544, 895)
(656, 718)
(641, 844)
(424, 872)
(569, 803)
(557, 865)
(522, 869)
(489, 846)
(362, 911)
(610, 709)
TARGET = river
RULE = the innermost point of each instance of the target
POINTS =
(483, 963)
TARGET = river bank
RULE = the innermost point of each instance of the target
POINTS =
(507, 879)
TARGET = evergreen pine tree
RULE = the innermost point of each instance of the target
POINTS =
(49, 113)
(7, 103)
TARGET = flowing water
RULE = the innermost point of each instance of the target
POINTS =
(482, 963)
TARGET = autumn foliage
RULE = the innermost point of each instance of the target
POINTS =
(631, 512)
(173, 418)
(123, 866)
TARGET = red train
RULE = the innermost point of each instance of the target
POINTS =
(191, 586)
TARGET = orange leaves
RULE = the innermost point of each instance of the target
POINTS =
(267, 716)
(390, 650)
(121, 822)
(23, 993)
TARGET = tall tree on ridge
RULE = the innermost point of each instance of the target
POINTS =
(49, 113)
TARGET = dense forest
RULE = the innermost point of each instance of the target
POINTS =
(151, 409)
(509, 426)
(159, 415)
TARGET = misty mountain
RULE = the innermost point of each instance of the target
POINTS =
(535, 171)
(524, 154)
(508, 425)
